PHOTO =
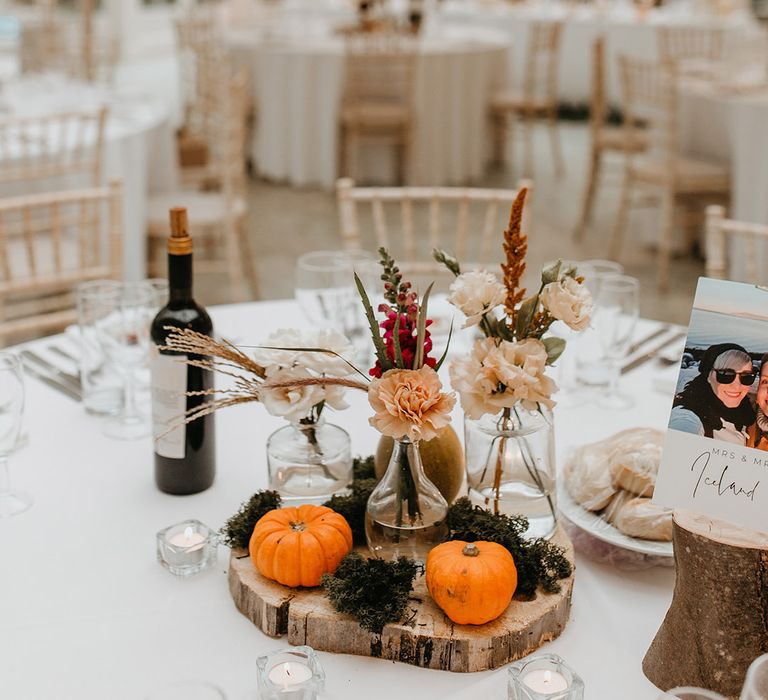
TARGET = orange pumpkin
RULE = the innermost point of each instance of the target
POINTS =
(296, 546)
(472, 583)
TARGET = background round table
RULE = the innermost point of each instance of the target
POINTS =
(88, 612)
(298, 84)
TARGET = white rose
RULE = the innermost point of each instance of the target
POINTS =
(295, 403)
(518, 366)
(326, 364)
(568, 301)
(476, 293)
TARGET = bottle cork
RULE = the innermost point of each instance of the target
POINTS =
(179, 242)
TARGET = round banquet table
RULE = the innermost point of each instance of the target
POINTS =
(618, 22)
(139, 147)
(298, 84)
(88, 612)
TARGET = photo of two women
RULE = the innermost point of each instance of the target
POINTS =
(722, 388)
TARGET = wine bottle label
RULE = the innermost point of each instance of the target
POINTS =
(169, 402)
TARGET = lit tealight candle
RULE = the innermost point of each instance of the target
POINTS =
(289, 674)
(189, 539)
(545, 681)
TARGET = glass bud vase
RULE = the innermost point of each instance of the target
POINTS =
(406, 514)
(309, 461)
(511, 466)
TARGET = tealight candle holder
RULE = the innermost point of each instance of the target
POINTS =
(290, 674)
(187, 547)
(544, 677)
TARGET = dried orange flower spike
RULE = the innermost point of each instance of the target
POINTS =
(515, 249)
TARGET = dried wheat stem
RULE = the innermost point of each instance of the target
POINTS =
(515, 249)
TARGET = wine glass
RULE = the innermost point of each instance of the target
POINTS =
(756, 682)
(615, 317)
(11, 409)
(123, 329)
(324, 284)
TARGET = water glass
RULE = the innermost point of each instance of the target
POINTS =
(123, 332)
(586, 355)
(615, 319)
(101, 384)
(756, 682)
(11, 409)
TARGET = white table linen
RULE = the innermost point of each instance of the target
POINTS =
(88, 613)
(139, 148)
(618, 23)
(298, 83)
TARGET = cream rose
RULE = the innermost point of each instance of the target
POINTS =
(476, 293)
(568, 301)
(322, 363)
(409, 403)
(295, 402)
(497, 376)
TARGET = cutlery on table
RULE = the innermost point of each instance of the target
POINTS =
(47, 379)
(661, 330)
(653, 354)
(71, 380)
(61, 352)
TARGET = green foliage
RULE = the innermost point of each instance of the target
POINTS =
(352, 506)
(237, 531)
(449, 261)
(373, 591)
(538, 562)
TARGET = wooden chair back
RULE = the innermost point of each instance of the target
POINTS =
(480, 217)
(228, 135)
(66, 238)
(598, 107)
(721, 232)
(680, 44)
(38, 148)
(380, 69)
(542, 61)
(650, 104)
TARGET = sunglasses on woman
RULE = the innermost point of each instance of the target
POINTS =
(726, 376)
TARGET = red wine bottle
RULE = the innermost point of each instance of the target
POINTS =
(185, 456)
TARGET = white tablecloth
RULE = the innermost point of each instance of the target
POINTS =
(624, 33)
(298, 85)
(88, 613)
(139, 147)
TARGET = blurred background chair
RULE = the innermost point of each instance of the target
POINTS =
(692, 50)
(377, 103)
(721, 234)
(536, 99)
(465, 221)
(217, 216)
(651, 96)
(66, 238)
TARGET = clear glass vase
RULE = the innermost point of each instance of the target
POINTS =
(309, 461)
(406, 514)
(511, 466)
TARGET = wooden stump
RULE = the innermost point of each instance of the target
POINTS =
(717, 623)
(428, 639)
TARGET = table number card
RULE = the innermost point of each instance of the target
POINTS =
(715, 459)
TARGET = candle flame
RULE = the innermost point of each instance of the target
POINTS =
(547, 677)
(188, 532)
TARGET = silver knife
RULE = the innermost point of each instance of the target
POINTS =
(67, 378)
(48, 380)
(647, 339)
(651, 354)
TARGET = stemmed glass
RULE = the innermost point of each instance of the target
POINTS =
(123, 330)
(323, 286)
(615, 317)
(11, 409)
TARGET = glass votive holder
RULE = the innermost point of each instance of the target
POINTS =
(187, 548)
(544, 677)
(290, 674)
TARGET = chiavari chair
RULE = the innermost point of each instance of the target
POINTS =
(720, 233)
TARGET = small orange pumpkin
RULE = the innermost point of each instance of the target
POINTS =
(296, 546)
(472, 583)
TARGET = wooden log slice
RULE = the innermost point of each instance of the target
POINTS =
(428, 639)
(717, 623)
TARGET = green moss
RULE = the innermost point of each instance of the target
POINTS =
(373, 591)
(237, 531)
(538, 562)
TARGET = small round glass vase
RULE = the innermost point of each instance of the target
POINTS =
(406, 515)
(511, 466)
(309, 461)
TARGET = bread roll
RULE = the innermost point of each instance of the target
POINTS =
(638, 517)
